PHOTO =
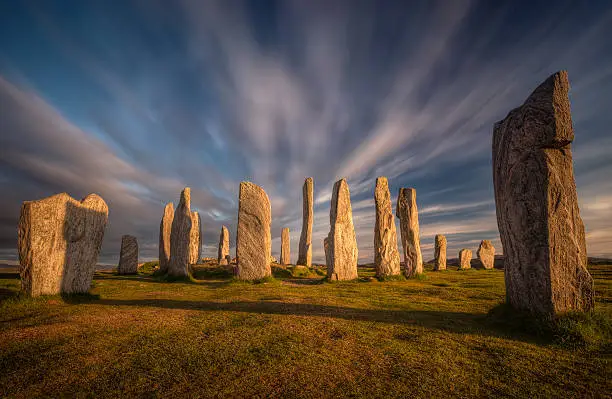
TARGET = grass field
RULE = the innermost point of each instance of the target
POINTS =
(444, 335)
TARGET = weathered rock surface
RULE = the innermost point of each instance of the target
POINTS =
(465, 259)
(59, 239)
(486, 254)
(408, 215)
(165, 230)
(224, 247)
(539, 221)
(128, 258)
(386, 254)
(440, 252)
(341, 245)
(180, 237)
(253, 240)
(305, 248)
(195, 239)
(285, 257)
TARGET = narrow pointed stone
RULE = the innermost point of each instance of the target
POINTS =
(180, 237)
(486, 254)
(224, 247)
(465, 259)
(341, 252)
(253, 239)
(285, 257)
(128, 257)
(440, 252)
(165, 230)
(195, 239)
(409, 228)
(542, 234)
(386, 254)
(305, 248)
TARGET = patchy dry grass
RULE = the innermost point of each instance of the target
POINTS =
(446, 334)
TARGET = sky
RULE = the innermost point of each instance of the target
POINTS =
(136, 99)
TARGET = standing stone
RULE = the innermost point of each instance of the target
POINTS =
(486, 254)
(341, 245)
(59, 239)
(223, 253)
(539, 221)
(409, 228)
(465, 259)
(195, 239)
(165, 229)
(253, 239)
(285, 257)
(440, 253)
(386, 254)
(180, 237)
(305, 249)
(128, 259)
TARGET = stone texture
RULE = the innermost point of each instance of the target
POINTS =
(539, 221)
(465, 259)
(285, 257)
(195, 239)
(224, 247)
(180, 237)
(253, 239)
(486, 254)
(128, 258)
(165, 230)
(341, 245)
(386, 254)
(409, 228)
(305, 248)
(59, 239)
(440, 252)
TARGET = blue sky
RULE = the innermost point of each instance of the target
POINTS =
(136, 99)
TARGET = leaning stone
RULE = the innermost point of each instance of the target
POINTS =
(223, 253)
(386, 254)
(195, 239)
(440, 252)
(128, 258)
(253, 240)
(542, 234)
(465, 259)
(486, 254)
(59, 239)
(305, 249)
(180, 237)
(285, 257)
(341, 245)
(165, 230)
(409, 228)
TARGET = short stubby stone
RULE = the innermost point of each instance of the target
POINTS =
(408, 215)
(341, 244)
(542, 234)
(440, 252)
(165, 230)
(465, 259)
(486, 254)
(386, 254)
(253, 239)
(195, 239)
(305, 247)
(285, 257)
(224, 247)
(180, 237)
(59, 240)
(128, 258)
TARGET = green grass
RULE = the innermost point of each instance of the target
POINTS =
(294, 335)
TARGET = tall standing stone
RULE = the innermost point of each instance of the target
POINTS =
(440, 252)
(180, 237)
(253, 239)
(305, 248)
(341, 245)
(486, 254)
(224, 247)
(59, 239)
(409, 228)
(539, 221)
(465, 259)
(386, 254)
(285, 256)
(165, 230)
(195, 239)
(128, 258)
